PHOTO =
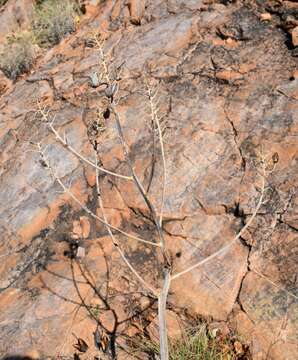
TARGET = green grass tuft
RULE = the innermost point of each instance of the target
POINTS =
(195, 344)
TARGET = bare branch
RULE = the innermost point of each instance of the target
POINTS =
(162, 306)
(274, 284)
(100, 45)
(124, 258)
(156, 120)
(85, 208)
(226, 247)
(135, 177)
(64, 142)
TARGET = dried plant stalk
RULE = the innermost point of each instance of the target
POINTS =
(84, 207)
(157, 218)
(115, 242)
(64, 142)
(226, 247)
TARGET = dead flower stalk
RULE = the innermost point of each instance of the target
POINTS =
(156, 216)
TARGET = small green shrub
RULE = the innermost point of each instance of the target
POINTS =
(17, 54)
(53, 20)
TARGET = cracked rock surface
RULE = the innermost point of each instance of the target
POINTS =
(227, 93)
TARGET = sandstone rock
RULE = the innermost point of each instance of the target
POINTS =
(107, 319)
(33, 354)
(290, 89)
(132, 331)
(5, 83)
(116, 10)
(295, 74)
(137, 9)
(265, 17)
(85, 225)
(144, 302)
(228, 75)
(175, 328)
(225, 96)
(295, 36)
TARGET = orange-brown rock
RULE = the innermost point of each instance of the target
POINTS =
(174, 325)
(295, 36)
(227, 96)
(136, 9)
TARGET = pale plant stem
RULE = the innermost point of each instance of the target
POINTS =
(155, 119)
(162, 307)
(83, 158)
(102, 59)
(136, 179)
(274, 284)
(226, 247)
(162, 296)
(88, 211)
(115, 243)
(75, 152)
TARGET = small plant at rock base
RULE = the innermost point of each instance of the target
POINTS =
(95, 311)
(53, 20)
(18, 54)
(197, 343)
(158, 242)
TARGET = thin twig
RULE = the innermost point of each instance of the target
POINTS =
(153, 158)
(135, 177)
(100, 45)
(85, 208)
(156, 120)
(226, 247)
(115, 243)
(64, 142)
(274, 284)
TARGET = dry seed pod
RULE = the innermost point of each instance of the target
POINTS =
(101, 340)
(275, 158)
(81, 345)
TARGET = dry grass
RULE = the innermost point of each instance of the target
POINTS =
(17, 54)
(195, 344)
(53, 20)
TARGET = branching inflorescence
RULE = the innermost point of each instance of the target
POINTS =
(111, 87)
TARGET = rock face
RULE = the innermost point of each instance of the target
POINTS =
(227, 94)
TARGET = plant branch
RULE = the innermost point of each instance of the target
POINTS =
(162, 306)
(156, 120)
(104, 64)
(115, 243)
(135, 177)
(226, 247)
(64, 142)
(84, 207)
